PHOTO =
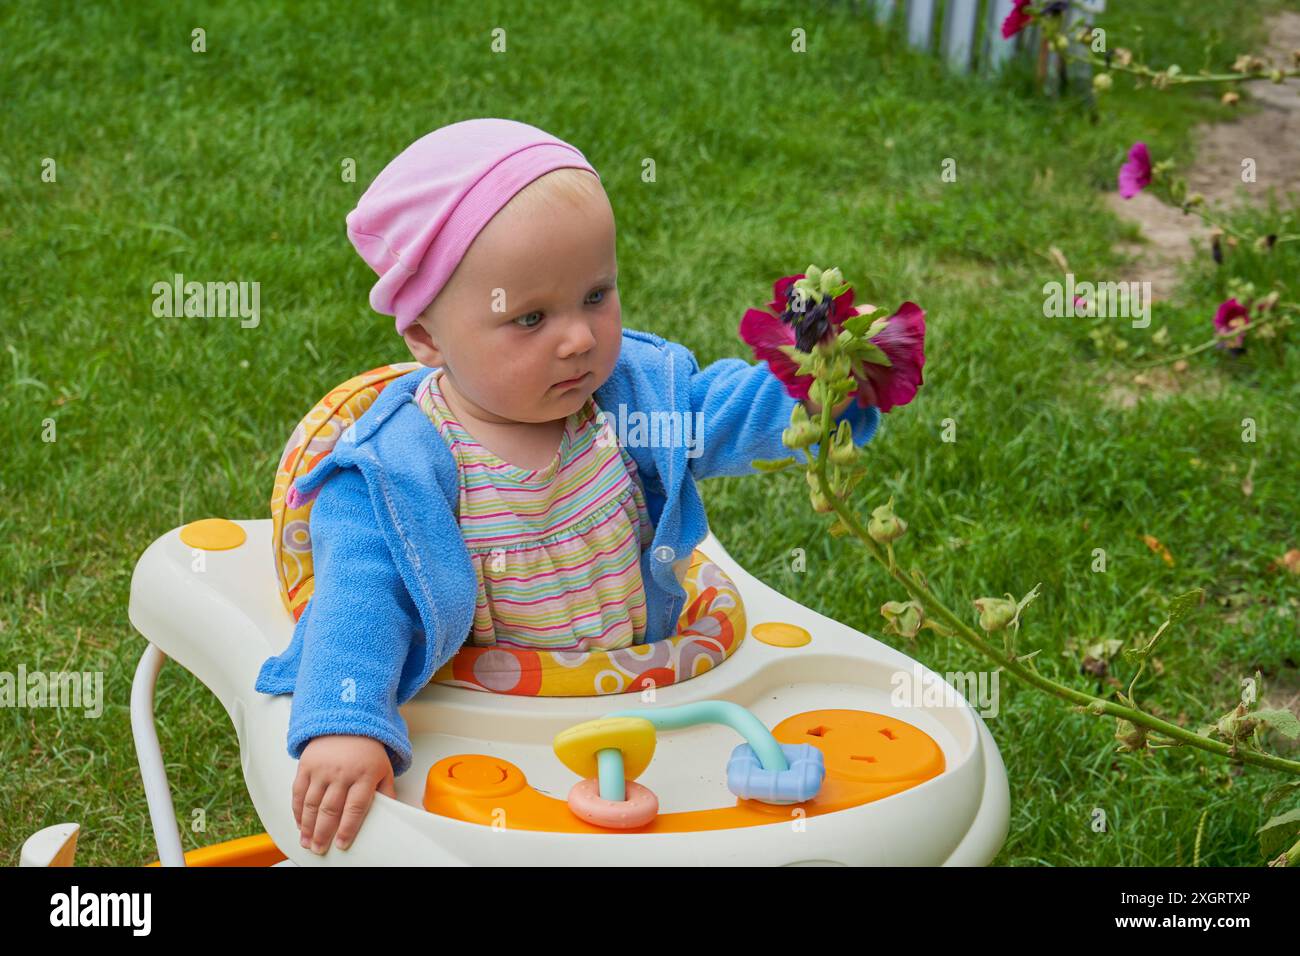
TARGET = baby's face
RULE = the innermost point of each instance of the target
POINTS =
(534, 302)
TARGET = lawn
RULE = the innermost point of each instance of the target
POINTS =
(226, 165)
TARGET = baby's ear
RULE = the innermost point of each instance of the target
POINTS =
(421, 344)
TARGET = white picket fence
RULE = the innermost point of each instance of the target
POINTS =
(969, 34)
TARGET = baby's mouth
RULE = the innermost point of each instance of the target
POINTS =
(573, 382)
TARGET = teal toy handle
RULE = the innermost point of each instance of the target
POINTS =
(724, 712)
(610, 762)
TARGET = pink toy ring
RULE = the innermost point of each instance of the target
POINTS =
(640, 807)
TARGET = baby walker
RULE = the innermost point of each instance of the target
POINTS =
(519, 758)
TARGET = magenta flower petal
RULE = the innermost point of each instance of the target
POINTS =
(1016, 20)
(903, 340)
(1135, 174)
(765, 334)
(1231, 315)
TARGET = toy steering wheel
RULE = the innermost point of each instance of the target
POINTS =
(611, 752)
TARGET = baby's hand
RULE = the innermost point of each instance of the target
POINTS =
(337, 778)
(815, 409)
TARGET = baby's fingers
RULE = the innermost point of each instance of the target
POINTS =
(327, 820)
(300, 784)
(308, 806)
(359, 799)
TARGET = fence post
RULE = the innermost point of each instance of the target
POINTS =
(997, 50)
(920, 22)
(959, 32)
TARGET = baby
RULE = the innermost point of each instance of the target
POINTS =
(484, 498)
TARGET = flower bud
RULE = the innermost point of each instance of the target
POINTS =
(1131, 737)
(1062, 41)
(995, 613)
(1123, 56)
(904, 618)
(830, 279)
(1102, 82)
(1229, 98)
(820, 503)
(802, 432)
(843, 451)
(1195, 199)
(885, 526)
(1275, 76)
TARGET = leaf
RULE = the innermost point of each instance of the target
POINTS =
(1283, 721)
(803, 359)
(772, 464)
(1278, 792)
(1289, 562)
(873, 353)
(1154, 544)
(1279, 832)
(1184, 604)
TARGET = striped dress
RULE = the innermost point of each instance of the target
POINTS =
(556, 550)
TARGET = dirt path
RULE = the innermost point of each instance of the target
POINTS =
(1270, 137)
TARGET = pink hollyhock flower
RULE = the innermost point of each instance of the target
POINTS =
(902, 340)
(1016, 20)
(1231, 315)
(1135, 174)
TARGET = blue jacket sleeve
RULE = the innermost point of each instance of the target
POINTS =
(357, 628)
(744, 410)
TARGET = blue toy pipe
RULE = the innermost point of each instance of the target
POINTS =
(610, 760)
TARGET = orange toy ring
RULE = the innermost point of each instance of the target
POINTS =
(640, 807)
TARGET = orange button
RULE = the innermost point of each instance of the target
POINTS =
(477, 773)
(473, 776)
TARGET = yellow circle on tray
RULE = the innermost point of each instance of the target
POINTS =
(213, 534)
(781, 634)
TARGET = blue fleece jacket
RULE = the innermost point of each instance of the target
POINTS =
(395, 590)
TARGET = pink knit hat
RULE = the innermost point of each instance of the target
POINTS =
(415, 222)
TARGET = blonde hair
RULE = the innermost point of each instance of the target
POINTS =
(565, 185)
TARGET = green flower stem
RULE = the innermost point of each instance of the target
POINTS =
(1293, 855)
(1208, 220)
(1138, 69)
(936, 608)
(1218, 337)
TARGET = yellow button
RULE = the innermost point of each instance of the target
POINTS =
(213, 534)
(781, 634)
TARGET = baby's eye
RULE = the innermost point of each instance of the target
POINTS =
(600, 292)
(530, 315)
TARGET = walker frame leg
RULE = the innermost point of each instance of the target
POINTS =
(157, 792)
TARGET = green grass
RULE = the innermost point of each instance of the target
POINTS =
(226, 165)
